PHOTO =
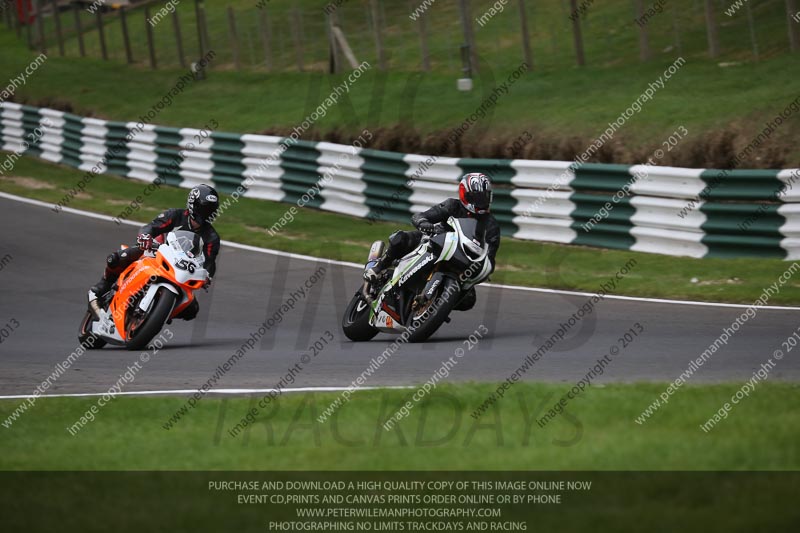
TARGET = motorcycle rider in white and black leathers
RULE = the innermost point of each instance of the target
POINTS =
(474, 201)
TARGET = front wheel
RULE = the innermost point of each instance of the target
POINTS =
(426, 320)
(143, 333)
(355, 322)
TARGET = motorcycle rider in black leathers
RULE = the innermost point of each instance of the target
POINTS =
(474, 201)
(201, 205)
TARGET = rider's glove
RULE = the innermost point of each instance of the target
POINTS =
(208, 283)
(425, 226)
(145, 241)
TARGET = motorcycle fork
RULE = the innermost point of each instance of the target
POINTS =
(419, 298)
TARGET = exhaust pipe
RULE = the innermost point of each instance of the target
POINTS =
(375, 253)
(95, 309)
(365, 293)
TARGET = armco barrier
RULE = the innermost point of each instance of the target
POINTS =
(675, 211)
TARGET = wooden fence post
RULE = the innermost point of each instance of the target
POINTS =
(78, 29)
(266, 37)
(752, 27)
(234, 38)
(199, 22)
(249, 37)
(176, 27)
(40, 26)
(644, 40)
(377, 33)
(202, 29)
(676, 29)
(297, 37)
(422, 29)
(334, 61)
(711, 29)
(150, 44)
(16, 24)
(123, 20)
(5, 7)
(469, 36)
(101, 34)
(577, 36)
(13, 20)
(791, 11)
(57, 20)
(526, 38)
(28, 29)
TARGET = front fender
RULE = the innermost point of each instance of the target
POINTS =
(147, 299)
(436, 280)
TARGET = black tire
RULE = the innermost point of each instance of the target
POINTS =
(355, 322)
(162, 308)
(443, 304)
(87, 339)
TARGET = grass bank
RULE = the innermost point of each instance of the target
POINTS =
(597, 432)
(722, 107)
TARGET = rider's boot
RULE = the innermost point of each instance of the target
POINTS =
(372, 273)
(100, 288)
(398, 246)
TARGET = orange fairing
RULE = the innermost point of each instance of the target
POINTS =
(133, 283)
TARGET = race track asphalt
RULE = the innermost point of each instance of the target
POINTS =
(55, 257)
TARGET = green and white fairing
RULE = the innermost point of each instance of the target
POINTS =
(474, 266)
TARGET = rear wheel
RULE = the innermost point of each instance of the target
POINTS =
(141, 334)
(85, 336)
(430, 317)
(355, 322)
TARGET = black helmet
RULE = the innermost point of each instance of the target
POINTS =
(475, 192)
(202, 203)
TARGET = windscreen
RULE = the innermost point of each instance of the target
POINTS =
(189, 242)
(472, 229)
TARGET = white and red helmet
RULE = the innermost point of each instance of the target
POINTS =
(475, 192)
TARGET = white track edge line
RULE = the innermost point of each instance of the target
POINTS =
(356, 265)
(192, 391)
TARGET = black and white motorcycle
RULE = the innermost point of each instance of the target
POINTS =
(415, 297)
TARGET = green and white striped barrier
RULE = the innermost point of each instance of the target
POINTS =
(674, 211)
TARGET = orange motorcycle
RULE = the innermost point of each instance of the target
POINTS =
(150, 292)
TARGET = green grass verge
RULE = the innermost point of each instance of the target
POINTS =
(555, 106)
(328, 235)
(439, 433)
